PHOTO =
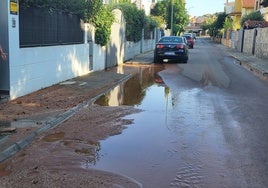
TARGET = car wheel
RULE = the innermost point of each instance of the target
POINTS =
(156, 60)
(185, 60)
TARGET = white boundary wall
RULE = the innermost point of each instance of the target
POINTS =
(34, 68)
(31, 69)
(99, 57)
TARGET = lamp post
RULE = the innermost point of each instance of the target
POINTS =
(171, 19)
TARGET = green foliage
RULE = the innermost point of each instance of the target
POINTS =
(160, 22)
(101, 17)
(209, 19)
(228, 23)
(160, 9)
(91, 8)
(150, 23)
(135, 20)
(256, 16)
(103, 21)
(214, 24)
(219, 23)
(180, 17)
(124, 1)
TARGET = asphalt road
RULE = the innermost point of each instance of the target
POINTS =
(200, 124)
(206, 126)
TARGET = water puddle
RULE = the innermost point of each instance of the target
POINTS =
(143, 149)
(134, 90)
(166, 146)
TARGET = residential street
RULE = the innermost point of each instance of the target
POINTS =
(200, 124)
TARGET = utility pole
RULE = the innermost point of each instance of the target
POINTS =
(171, 19)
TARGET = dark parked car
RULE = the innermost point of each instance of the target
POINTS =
(171, 48)
(190, 40)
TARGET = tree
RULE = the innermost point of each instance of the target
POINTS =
(219, 23)
(160, 21)
(228, 23)
(180, 17)
(172, 11)
(135, 20)
(216, 24)
(160, 9)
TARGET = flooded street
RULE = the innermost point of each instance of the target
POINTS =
(202, 124)
(174, 141)
(195, 130)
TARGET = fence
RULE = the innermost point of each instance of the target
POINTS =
(250, 41)
(40, 27)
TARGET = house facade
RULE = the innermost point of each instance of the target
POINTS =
(237, 9)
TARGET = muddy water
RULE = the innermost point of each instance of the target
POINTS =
(174, 142)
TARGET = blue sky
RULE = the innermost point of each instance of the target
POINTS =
(201, 7)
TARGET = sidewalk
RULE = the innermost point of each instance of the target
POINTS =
(257, 65)
(28, 116)
(35, 113)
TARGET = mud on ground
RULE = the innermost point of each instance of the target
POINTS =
(61, 157)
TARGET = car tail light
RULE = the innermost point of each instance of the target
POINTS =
(180, 46)
(159, 46)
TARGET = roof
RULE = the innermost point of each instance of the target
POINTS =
(248, 3)
(255, 24)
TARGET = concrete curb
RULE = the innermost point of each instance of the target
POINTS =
(251, 66)
(14, 148)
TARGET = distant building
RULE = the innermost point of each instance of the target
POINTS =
(195, 24)
(237, 9)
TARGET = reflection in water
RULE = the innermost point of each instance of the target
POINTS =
(133, 91)
(167, 144)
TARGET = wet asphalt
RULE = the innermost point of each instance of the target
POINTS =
(105, 81)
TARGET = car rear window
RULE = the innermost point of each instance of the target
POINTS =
(187, 36)
(171, 40)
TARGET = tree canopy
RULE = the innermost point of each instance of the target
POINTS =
(174, 14)
(214, 23)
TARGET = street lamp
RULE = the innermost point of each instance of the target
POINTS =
(171, 19)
